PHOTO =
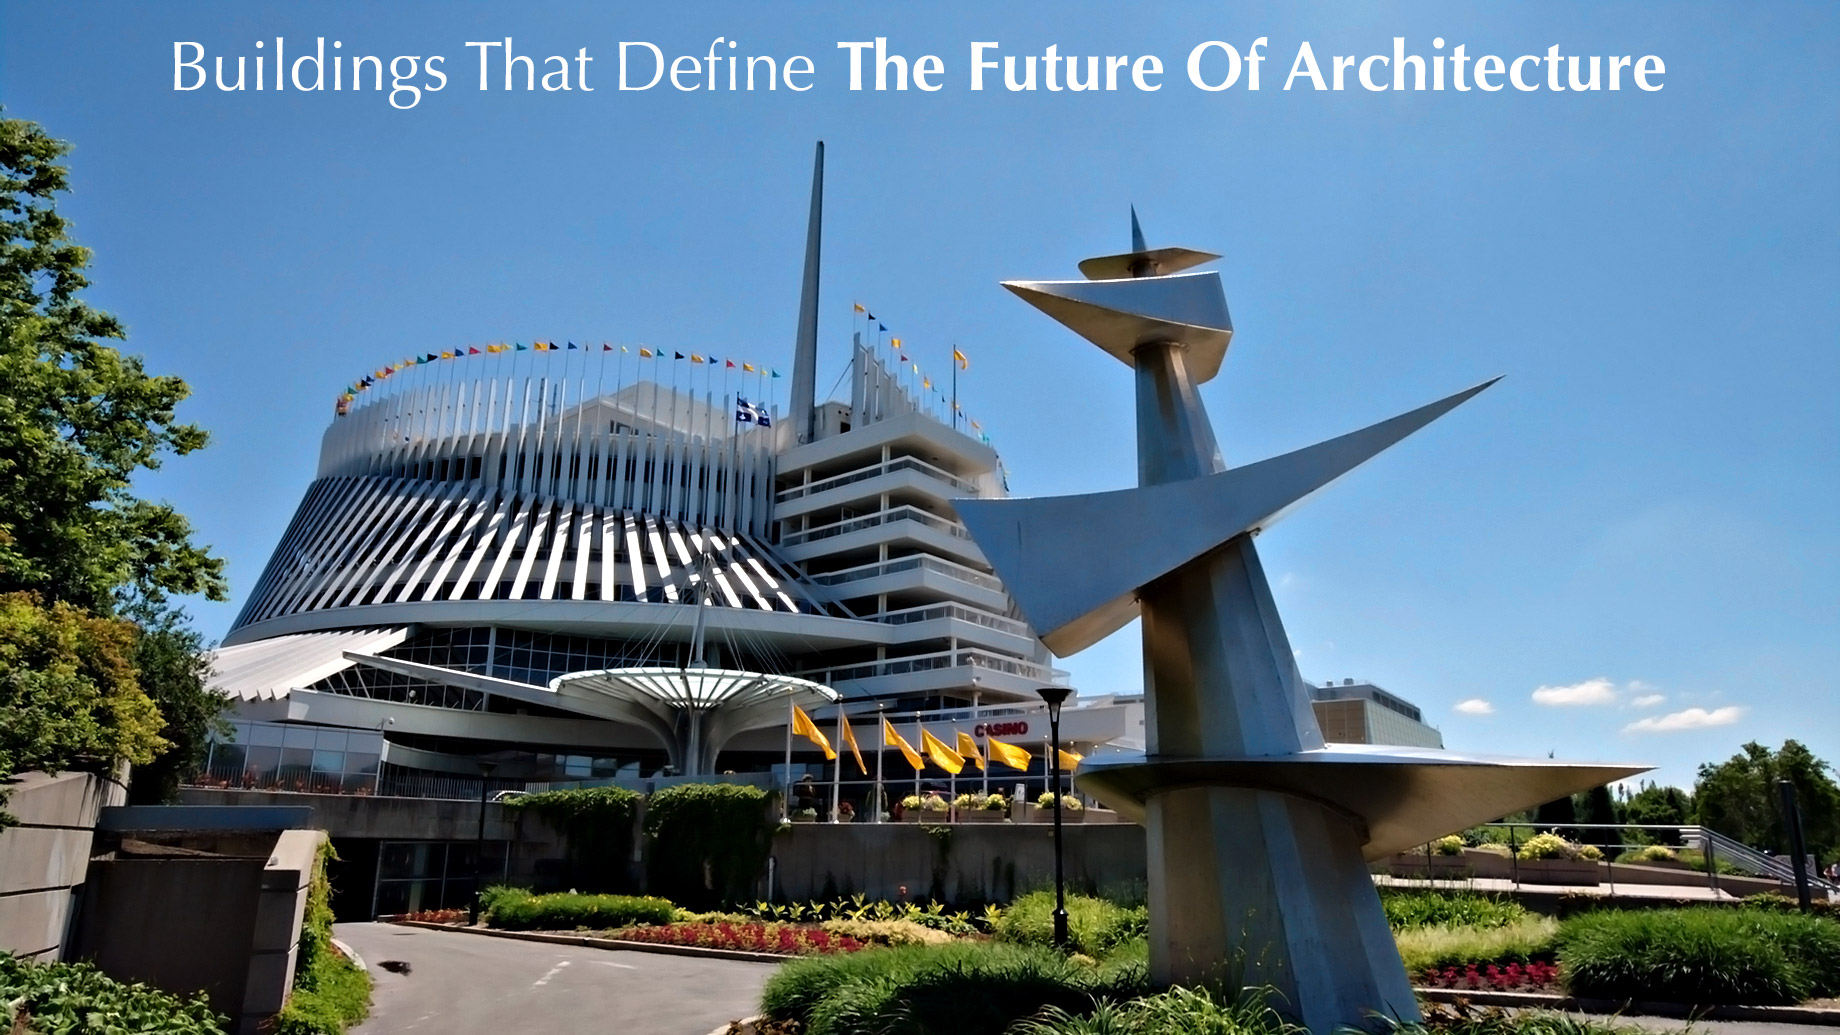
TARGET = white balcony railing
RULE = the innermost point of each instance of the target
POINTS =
(900, 463)
(932, 662)
(886, 517)
(957, 611)
(932, 564)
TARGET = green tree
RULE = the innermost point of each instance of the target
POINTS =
(174, 670)
(78, 419)
(1596, 805)
(68, 693)
(1738, 797)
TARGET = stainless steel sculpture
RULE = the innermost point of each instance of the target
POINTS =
(1258, 832)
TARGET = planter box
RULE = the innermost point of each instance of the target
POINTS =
(1488, 864)
(1560, 871)
(1436, 867)
(981, 816)
(923, 816)
(1038, 814)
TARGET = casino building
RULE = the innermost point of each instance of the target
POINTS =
(483, 533)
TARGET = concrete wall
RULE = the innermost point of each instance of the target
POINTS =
(185, 920)
(362, 816)
(981, 862)
(43, 860)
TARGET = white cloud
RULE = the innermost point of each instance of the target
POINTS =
(1690, 719)
(1475, 706)
(1646, 700)
(1585, 694)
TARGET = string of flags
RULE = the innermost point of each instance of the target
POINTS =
(949, 757)
(906, 364)
(757, 414)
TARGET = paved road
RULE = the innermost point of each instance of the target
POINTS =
(465, 984)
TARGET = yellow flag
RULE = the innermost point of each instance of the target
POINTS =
(926, 382)
(694, 358)
(894, 343)
(749, 367)
(1009, 754)
(959, 358)
(943, 757)
(802, 725)
(968, 748)
(892, 739)
(1070, 760)
(647, 353)
(858, 307)
(849, 741)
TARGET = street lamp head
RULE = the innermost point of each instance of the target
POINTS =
(1054, 695)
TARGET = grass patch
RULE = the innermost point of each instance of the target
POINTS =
(1178, 1010)
(1439, 945)
(514, 909)
(1094, 925)
(1701, 955)
(1406, 910)
(330, 992)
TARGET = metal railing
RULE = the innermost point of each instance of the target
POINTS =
(889, 516)
(931, 662)
(957, 611)
(933, 564)
(905, 463)
(395, 784)
(1714, 853)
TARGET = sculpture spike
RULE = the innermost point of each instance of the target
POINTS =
(1137, 233)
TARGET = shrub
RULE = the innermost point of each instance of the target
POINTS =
(1451, 844)
(76, 997)
(928, 802)
(596, 824)
(986, 802)
(1702, 955)
(1177, 1010)
(1409, 909)
(961, 989)
(1094, 925)
(1439, 945)
(888, 932)
(1068, 802)
(330, 992)
(1552, 846)
(569, 911)
(709, 842)
(1649, 853)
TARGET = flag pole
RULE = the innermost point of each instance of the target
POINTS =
(919, 737)
(881, 745)
(837, 777)
(785, 806)
(955, 389)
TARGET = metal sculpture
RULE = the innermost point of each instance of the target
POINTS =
(1258, 832)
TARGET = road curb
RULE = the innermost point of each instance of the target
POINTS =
(352, 955)
(591, 942)
(744, 1026)
(1632, 1008)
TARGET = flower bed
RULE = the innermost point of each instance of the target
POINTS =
(780, 939)
(1512, 977)
(436, 916)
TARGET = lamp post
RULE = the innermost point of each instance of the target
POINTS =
(1053, 696)
(479, 844)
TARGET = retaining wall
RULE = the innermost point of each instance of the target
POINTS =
(43, 860)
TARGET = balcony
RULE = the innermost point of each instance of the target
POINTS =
(960, 486)
(908, 525)
(932, 575)
(975, 662)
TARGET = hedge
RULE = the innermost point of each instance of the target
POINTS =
(1702, 955)
(513, 909)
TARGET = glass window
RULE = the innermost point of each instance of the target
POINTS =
(328, 761)
(329, 740)
(263, 759)
(228, 758)
(292, 757)
(266, 734)
(298, 737)
(361, 762)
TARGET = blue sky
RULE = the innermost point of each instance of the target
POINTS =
(1636, 528)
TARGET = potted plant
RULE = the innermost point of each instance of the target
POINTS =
(1072, 811)
(1442, 859)
(805, 815)
(924, 808)
(981, 808)
(846, 813)
(1550, 859)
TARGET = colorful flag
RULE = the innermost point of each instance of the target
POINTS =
(571, 344)
(879, 328)
(941, 754)
(926, 382)
(749, 367)
(868, 314)
(858, 307)
(731, 365)
(959, 358)
(802, 726)
(645, 353)
(849, 741)
(1070, 760)
(894, 740)
(776, 373)
(1009, 754)
(471, 351)
(521, 348)
(968, 748)
(743, 412)
(606, 347)
(679, 355)
(894, 343)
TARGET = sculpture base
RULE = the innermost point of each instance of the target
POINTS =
(1259, 888)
